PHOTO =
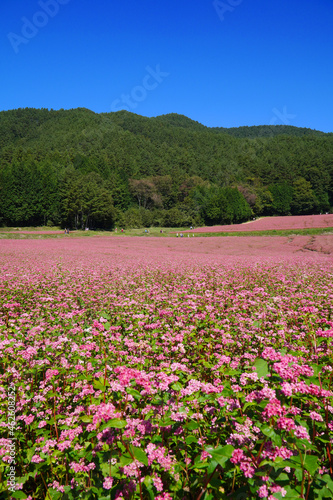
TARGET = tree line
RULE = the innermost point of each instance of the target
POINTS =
(80, 169)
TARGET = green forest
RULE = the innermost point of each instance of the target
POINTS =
(78, 169)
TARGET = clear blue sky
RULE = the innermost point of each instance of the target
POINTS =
(228, 64)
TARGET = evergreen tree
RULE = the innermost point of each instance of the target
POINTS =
(282, 198)
(304, 200)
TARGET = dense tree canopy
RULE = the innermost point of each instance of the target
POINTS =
(83, 169)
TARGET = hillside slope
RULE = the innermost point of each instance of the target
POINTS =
(41, 149)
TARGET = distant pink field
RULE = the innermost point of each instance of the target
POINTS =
(91, 254)
(271, 223)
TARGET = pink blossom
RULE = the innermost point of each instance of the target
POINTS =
(64, 445)
(28, 420)
(301, 433)
(164, 496)
(315, 416)
(278, 489)
(247, 468)
(273, 409)
(133, 469)
(158, 483)
(286, 423)
(160, 455)
(57, 486)
(108, 482)
(205, 455)
(263, 491)
(50, 374)
(237, 456)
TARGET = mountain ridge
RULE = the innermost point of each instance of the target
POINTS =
(183, 164)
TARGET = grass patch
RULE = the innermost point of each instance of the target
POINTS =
(30, 228)
(18, 233)
(273, 232)
(23, 236)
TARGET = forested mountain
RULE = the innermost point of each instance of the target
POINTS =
(78, 168)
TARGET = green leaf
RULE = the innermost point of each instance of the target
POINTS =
(112, 471)
(191, 439)
(328, 480)
(282, 477)
(220, 454)
(86, 419)
(200, 465)
(317, 368)
(133, 392)
(166, 422)
(267, 431)
(261, 366)
(177, 386)
(292, 465)
(114, 423)
(212, 466)
(54, 494)
(247, 405)
(323, 493)
(99, 386)
(291, 493)
(30, 454)
(101, 382)
(311, 464)
(304, 444)
(149, 486)
(19, 494)
(140, 455)
(313, 380)
(208, 496)
(275, 464)
(148, 482)
(299, 475)
(125, 459)
(192, 426)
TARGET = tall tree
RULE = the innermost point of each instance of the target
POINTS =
(282, 198)
(304, 200)
(86, 202)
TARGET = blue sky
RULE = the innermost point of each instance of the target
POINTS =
(225, 63)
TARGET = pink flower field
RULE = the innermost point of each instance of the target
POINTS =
(274, 223)
(164, 368)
